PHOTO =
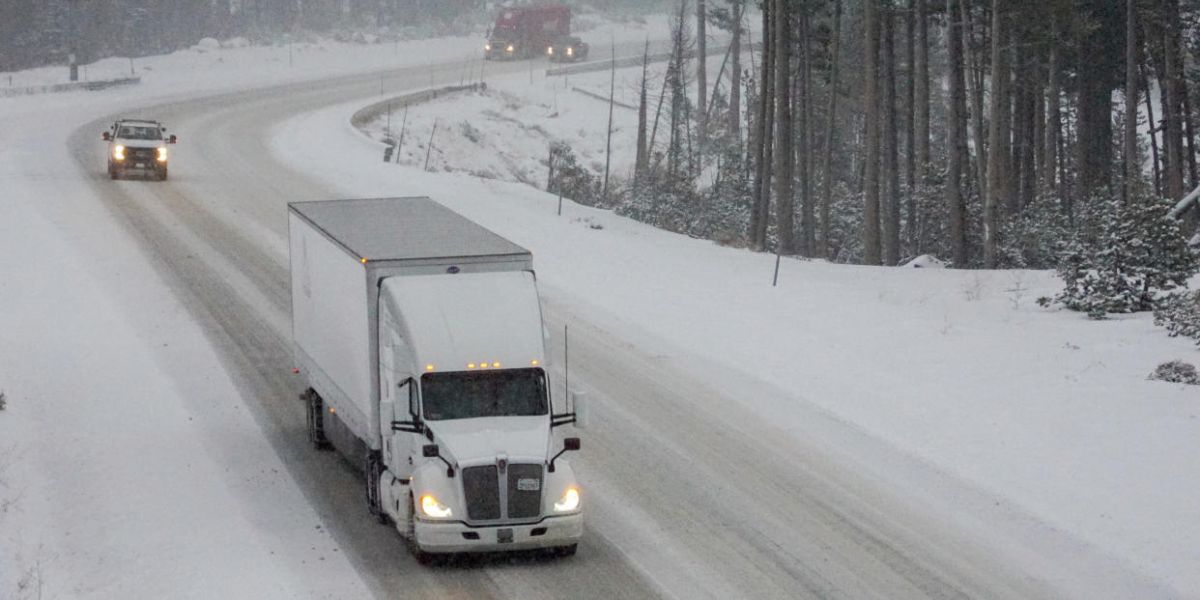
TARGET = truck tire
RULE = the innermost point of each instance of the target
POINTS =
(373, 470)
(315, 412)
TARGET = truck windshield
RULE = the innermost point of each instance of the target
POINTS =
(138, 132)
(471, 394)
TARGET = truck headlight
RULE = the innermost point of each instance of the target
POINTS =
(119, 152)
(570, 51)
(432, 508)
(550, 50)
(487, 47)
(162, 155)
(510, 48)
(569, 500)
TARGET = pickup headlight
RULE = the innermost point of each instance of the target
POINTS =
(487, 47)
(570, 51)
(510, 48)
(119, 152)
(162, 155)
(569, 501)
(432, 508)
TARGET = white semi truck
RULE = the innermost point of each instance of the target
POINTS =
(420, 336)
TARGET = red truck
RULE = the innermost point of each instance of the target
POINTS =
(527, 31)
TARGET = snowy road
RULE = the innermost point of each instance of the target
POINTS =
(687, 496)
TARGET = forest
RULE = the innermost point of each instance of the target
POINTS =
(1054, 134)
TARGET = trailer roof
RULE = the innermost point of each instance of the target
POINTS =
(378, 229)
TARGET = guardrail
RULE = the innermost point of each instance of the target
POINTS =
(55, 88)
(368, 113)
(633, 61)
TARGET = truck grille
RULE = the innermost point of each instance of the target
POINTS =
(481, 487)
(142, 154)
(487, 495)
(524, 491)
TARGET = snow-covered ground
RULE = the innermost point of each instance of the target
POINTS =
(129, 469)
(1044, 409)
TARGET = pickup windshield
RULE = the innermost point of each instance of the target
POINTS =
(139, 132)
(471, 394)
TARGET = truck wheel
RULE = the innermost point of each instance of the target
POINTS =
(373, 470)
(315, 409)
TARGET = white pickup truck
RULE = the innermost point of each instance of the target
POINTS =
(420, 335)
(138, 145)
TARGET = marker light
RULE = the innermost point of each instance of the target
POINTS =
(119, 152)
(495, 365)
(432, 508)
(363, 260)
(470, 365)
(483, 365)
(569, 501)
(429, 367)
(332, 410)
(535, 362)
(162, 155)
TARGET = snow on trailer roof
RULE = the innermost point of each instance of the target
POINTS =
(380, 229)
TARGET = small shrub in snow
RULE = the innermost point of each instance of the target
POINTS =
(1180, 314)
(569, 178)
(471, 132)
(1124, 259)
(1176, 371)
(3, 401)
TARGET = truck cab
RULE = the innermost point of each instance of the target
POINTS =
(526, 31)
(421, 337)
(138, 145)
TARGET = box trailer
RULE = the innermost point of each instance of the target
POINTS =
(420, 335)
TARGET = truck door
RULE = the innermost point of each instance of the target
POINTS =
(397, 395)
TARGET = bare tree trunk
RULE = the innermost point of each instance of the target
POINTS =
(1173, 129)
(827, 167)
(643, 159)
(1053, 128)
(910, 134)
(701, 75)
(784, 159)
(612, 90)
(735, 75)
(807, 229)
(974, 70)
(891, 163)
(997, 148)
(1131, 98)
(956, 144)
(921, 67)
(1189, 133)
(1153, 126)
(871, 235)
(762, 133)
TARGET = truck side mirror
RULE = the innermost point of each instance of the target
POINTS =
(106, 136)
(431, 451)
(173, 139)
(579, 402)
(569, 444)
